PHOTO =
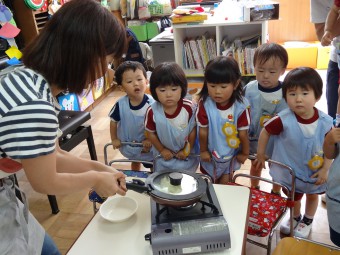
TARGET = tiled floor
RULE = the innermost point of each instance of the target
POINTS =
(76, 210)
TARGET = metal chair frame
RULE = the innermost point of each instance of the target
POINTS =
(290, 199)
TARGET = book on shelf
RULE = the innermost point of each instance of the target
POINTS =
(242, 49)
(198, 51)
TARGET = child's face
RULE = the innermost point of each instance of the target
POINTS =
(134, 83)
(301, 101)
(169, 95)
(269, 72)
(221, 92)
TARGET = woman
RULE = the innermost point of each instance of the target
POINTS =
(72, 51)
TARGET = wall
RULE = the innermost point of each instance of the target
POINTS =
(294, 23)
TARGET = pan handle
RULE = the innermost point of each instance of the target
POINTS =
(137, 185)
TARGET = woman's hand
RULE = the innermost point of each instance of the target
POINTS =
(110, 184)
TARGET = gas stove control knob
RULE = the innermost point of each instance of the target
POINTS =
(147, 237)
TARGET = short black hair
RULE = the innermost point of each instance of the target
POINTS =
(222, 69)
(303, 77)
(270, 50)
(126, 66)
(168, 73)
(70, 51)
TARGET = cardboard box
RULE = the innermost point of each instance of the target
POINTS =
(323, 57)
(197, 17)
(263, 11)
(301, 54)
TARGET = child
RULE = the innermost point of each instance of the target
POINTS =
(331, 149)
(223, 120)
(170, 121)
(127, 115)
(298, 134)
(265, 95)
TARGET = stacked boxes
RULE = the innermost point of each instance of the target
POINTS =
(144, 31)
(310, 54)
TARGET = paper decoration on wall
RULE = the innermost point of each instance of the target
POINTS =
(34, 4)
(9, 31)
(5, 14)
(13, 52)
(85, 99)
(69, 102)
(98, 88)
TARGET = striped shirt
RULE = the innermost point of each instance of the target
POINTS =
(28, 116)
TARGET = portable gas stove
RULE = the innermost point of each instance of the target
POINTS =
(198, 228)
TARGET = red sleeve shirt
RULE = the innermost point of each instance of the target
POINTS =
(202, 118)
(274, 126)
(337, 3)
(184, 104)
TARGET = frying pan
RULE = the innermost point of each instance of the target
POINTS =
(174, 188)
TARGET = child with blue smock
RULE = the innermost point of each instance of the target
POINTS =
(223, 119)
(127, 115)
(265, 95)
(298, 135)
(170, 121)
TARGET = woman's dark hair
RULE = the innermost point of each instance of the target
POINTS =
(270, 50)
(168, 73)
(70, 51)
(128, 65)
(222, 69)
(303, 77)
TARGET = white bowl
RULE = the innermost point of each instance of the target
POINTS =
(117, 209)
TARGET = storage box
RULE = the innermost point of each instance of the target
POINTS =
(152, 29)
(140, 31)
(323, 57)
(301, 54)
(263, 11)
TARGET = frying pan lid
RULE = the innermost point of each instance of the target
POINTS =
(188, 184)
(191, 186)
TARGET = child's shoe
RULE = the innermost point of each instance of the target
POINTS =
(285, 227)
(302, 230)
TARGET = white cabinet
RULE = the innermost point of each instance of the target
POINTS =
(218, 30)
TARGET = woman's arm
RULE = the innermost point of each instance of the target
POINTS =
(330, 148)
(61, 173)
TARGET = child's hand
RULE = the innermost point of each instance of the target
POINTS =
(116, 143)
(241, 157)
(259, 162)
(181, 155)
(322, 175)
(327, 38)
(146, 145)
(205, 156)
(167, 154)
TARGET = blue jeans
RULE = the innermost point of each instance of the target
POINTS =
(49, 247)
(332, 88)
